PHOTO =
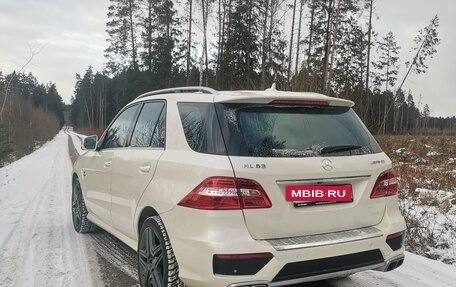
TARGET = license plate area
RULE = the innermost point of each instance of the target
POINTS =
(305, 195)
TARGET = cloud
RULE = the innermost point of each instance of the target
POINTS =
(69, 34)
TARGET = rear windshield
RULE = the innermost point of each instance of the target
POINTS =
(290, 131)
(275, 131)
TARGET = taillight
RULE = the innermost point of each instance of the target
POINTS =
(386, 185)
(227, 193)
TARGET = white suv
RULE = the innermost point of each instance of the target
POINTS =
(241, 188)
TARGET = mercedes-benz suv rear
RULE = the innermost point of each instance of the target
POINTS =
(248, 188)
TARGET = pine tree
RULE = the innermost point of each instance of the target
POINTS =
(146, 20)
(387, 65)
(273, 46)
(122, 29)
(242, 47)
(351, 58)
(165, 47)
(388, 61)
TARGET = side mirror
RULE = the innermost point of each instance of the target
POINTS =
(89, 143)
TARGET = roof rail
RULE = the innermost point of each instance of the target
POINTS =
(193, 89)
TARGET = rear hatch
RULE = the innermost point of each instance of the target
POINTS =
(303, 145)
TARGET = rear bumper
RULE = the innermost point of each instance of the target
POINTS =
(395, 261)
(197, 235)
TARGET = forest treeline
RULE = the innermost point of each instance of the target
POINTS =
(30, 114)
(326, 46)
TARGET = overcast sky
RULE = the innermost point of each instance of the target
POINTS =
(70, 35)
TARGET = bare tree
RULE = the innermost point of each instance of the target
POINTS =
(264, 51)
(298, 42)
(329, 10)
(189, 39)
(131, 7)
(311, 31)
(29, 59)
(291, 42)
(426, 42)
(205, 7)
(369, 43)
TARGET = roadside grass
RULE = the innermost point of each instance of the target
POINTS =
(426, 167)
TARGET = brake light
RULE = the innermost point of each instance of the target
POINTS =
(227, 193)
(386, 185)
(299, 103)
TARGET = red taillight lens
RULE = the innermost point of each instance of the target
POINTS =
(394, 235)
(386, 185)
(227, 193)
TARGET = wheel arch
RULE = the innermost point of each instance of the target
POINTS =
(146, 212)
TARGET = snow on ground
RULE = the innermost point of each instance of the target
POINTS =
(76, 138)
(400, 150)
(38, 246)
(432, 153)
(417, 271)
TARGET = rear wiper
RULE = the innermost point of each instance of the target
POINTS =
(338, 148)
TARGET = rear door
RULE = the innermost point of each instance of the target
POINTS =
(134, 166)
(304, 146)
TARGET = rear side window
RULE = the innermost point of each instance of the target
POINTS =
(158, 138)
(201, 127)
(118, 132)
(290, 131)
(146, 125)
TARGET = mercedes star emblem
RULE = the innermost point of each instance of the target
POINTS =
(327, 164)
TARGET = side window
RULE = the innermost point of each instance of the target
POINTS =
(194, 125)
(158, 139)
(201, 128)
(146, 127)
(118, 132)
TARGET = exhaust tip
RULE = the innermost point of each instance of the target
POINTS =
(399, 262)
(395, 264)
(392, 265)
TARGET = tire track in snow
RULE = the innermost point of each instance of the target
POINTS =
(117, 261)
(42, 248)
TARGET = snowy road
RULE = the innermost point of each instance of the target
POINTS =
(38, 246)
(37, 241)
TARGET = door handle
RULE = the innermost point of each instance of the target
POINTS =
(144, 168)
(107, 163)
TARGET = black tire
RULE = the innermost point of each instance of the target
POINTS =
(79, 211)
(157, 265)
